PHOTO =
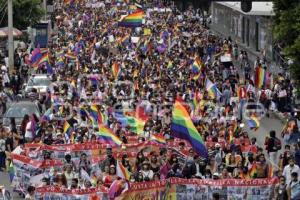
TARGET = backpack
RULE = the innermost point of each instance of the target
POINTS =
(263, 96)
(277, 144)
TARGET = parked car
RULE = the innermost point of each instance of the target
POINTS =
(40, 82)
(18, 110)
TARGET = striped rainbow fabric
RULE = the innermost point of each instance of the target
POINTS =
(122, 171)
(183, 127)
(133, 20)
(253, 122)
(107, 136)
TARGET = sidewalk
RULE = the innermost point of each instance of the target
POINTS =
(252, 54)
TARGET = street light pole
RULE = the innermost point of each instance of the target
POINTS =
(10, 37)
(45, 8)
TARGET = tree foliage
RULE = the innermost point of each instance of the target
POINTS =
(287, 32)
(25, 13)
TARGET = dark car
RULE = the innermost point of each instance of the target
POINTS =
(18, 110)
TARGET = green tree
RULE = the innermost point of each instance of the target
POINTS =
(287, 32)
(25, 13)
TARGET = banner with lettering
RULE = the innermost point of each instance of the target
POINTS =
(90, 149)
(58, 193)
(192, 189)
(172, 189)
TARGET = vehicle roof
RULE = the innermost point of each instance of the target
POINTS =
(23, 102)
(40, 76)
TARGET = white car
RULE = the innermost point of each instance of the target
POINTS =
(40, 82)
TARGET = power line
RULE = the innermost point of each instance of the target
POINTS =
(4, 6)
(4, 13)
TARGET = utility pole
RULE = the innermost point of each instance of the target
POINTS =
(45, 8)
(10, 36)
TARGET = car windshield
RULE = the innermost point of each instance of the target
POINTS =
(19, 110)
(39, 82)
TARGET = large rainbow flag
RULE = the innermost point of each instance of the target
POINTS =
(133, 20)
(36, 55)
(183, 127)
(262, 77)
(107, 136)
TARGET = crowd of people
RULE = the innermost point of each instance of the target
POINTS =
(154, 65)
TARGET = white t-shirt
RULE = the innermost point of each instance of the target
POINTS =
(28, 133)
(148, 174)
(288, 170)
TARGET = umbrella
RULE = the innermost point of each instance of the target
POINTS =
(4, 32)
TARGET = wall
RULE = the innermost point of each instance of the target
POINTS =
(252, 32)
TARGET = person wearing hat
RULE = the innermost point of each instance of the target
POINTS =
(146, 171)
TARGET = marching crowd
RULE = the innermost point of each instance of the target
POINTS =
(95, 61)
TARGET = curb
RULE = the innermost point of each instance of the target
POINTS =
(280, 116)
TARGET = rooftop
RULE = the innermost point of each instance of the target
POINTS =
(264, 8)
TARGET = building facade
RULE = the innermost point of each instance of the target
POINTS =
(252, 30)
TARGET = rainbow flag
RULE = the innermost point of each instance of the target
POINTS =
(107, 136)
(196, 67)
(136, 125)
(94, 114)
(60, 62)
(133, 20)
(252, 173)
(122, 171)
(159, 138)
(253, 122)
(116, 69)
(46, 116)
(124, 40)
(71, 56)
(44, 59)
(67, 129)
(68, 2)
(271, 170)
(116, 188)
(183, 127)
(260, 75)
(212, 89)
(36, 55)
(102, 118)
